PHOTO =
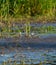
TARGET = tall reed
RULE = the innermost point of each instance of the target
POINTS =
(18, 8)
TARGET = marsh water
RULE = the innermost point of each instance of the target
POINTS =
(29, 55)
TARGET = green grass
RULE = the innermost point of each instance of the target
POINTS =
(27, 8)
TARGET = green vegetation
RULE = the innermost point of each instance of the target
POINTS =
(16, 9)
(27, 30)
(21, 11)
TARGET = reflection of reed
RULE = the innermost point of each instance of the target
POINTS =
(4, 63)
(22, 62)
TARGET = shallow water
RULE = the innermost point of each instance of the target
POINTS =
(29, 55)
